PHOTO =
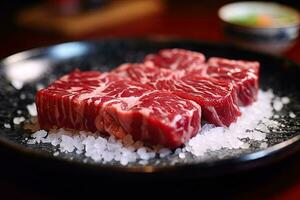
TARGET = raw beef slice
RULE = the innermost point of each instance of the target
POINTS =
(178, 59)
(216, 97)
(147, 73)
(93, 102)
(243, 74)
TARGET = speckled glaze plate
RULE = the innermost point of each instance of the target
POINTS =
(43, 65)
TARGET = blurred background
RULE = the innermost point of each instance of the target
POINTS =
(33, 23)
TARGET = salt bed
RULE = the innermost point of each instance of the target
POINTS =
(253, 124)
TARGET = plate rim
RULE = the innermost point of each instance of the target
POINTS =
(291, 145)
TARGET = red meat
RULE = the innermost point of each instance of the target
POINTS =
(243, 74)
(105, 103)
(216, 97)
(178, 59)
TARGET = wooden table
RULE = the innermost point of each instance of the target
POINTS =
(280, 181)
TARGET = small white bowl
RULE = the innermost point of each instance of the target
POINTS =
(272, 38)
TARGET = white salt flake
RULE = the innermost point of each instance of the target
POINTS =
(164, 152)
(39, 134)
(263, 145)
(277, 105)
(32, 109)
(56, 153)
(285, 100)
(292, 115)
(79, 152)
(38, 137)
(18, 120)
(6, 125)
(66, 144)
(124, 161)
(245, 146)
(17, 84)
(276, 116)
(262, 127)
(143, 162)
(143, 153)
(181, 155)
(177, 151)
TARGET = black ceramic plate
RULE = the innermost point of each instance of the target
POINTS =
(41, 66)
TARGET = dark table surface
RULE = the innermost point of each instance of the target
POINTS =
(19, 179)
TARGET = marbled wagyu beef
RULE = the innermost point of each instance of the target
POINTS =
(178, 59)
(243, 74)
(158, 101)
(216, 97)
(105, 103)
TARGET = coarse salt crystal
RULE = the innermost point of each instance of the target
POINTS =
(263, 145)
(177, 151)
(276, 116)
(277, 105)
(18, 120)
(6, 125)
(32, 109)
(124, 161)
(66, 144)
(262, 127)
(285, 100)
(143, 153)
(245, 146)
(17, 84)
(143, 162)
(292, 115)
(181, 155)
(38, 137)
(56, 153)
(39, 134)
(164, 152)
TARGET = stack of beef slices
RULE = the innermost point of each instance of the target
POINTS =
(160, 101)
